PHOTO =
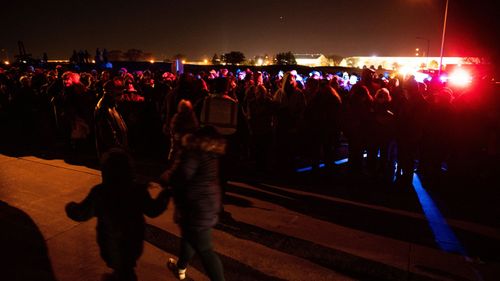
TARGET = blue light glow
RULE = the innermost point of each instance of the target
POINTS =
(322, 165)
(337, 162)
(443, 234)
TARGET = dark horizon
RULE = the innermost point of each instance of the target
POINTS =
(198, 30)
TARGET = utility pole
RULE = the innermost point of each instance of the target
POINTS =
(442, 38)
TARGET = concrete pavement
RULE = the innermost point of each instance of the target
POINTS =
(276, 233)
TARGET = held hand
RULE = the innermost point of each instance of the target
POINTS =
(70, 207)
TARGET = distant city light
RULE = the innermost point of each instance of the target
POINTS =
(93, 61)
(152, 61)
(6, 62)
(183, 61)
(353, 79)
(205, 61)
(260, 61)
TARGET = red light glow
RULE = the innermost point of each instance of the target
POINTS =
(460, 78)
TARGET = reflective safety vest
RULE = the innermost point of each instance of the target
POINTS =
(220, 111)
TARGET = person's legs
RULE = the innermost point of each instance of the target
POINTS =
(187, 252)
(202, 243)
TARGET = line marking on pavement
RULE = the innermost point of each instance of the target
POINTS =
(464, 225)
(245, 185)
(96, 173)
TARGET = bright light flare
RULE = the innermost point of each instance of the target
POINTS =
(152, 61)
(421, 77)
(405, 70)
(6, 62)
(460, 77)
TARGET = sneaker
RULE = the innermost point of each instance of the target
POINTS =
(179, 273)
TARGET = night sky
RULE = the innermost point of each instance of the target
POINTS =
(199, 29)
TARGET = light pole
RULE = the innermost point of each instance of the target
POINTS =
(442, 38)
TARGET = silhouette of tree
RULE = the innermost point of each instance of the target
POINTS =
(134, 55)
(86, 56)
(179, 56)
(285, 59)
(352, 62)
(216, 60)
(115, 55)
(74, 58)
(233, 57)
(105, 55)
(98, 57)
(433, 64)
(335, 59)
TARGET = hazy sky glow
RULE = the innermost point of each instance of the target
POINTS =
(199, 29)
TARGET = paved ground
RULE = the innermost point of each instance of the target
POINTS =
(309, 227)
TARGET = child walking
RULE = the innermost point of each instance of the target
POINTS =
(119, 205)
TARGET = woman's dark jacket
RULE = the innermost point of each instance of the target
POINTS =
(194, 178)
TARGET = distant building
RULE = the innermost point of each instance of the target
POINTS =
(311, 60)
(395, 63)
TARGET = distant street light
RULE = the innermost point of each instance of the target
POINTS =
(428, 44)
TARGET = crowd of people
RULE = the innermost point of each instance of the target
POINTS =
(284, 121)
(278, 122)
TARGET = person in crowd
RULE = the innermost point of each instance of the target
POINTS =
(99, 86)
(119, 204)
(437, 130)
(289, 122)
(194, 179)
(260, 110)
(409, 131)
(183, 122)
(25, 105)
(323, 117)
(110, 128)
(77, 109)
(384, 135)
(358, 127)
(220, 111)
(183, 90)
(200, 92)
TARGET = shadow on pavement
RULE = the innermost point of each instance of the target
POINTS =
(23, 254)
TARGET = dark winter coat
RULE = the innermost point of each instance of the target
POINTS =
(110, 128)
(194, 178)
